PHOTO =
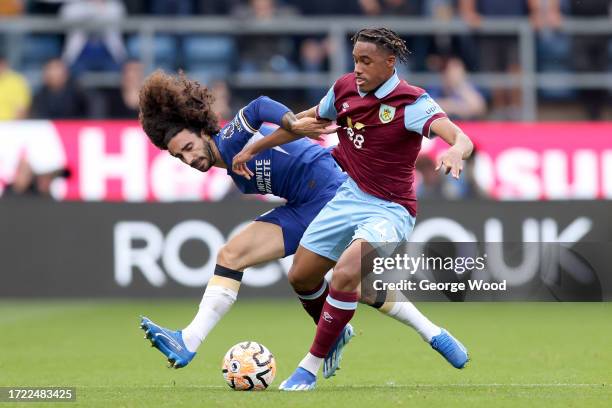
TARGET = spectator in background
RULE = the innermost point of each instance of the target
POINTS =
(26, 182)
(553, 46)
(458, 97)
(499, 53)
(122, 103)
(546, 14)
(444, 45)
(440, 11)
(263, 10)
(313, 60)
(590, 53)
(265, 53)
(391, 7)
(59, 97)
(417, 44)
(102, 50)
(466, 188)
(430, 186)
(14, 93)
(326, 7)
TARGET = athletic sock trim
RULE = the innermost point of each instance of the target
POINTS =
(340, 304)
(228, 273)
(315, 295)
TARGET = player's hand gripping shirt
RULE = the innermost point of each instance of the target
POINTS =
(380, 134)
(288, 171)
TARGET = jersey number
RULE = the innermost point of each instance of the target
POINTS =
(357, 139)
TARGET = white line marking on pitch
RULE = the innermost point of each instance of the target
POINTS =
(372, 386)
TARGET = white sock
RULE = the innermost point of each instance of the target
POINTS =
(311, 363)
(407, 313)
(216, 302)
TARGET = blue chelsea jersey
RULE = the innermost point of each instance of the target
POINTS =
(296, 171)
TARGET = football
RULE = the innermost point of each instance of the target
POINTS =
(248, 366)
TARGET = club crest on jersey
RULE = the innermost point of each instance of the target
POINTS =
(228, 132)
(386, 113)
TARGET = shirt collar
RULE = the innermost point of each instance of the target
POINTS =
(386, 88)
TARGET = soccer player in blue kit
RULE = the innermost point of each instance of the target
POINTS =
(176, 115)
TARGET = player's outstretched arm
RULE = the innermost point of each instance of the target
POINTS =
(264, 109)
(310, 113)
(461, 146)
(278, 137)
(310, 126)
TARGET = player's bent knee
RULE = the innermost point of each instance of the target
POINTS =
(346, 276)
(231, 258)
(301, 280)
(296, 279)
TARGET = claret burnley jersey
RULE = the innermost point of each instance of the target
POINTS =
(380, 134)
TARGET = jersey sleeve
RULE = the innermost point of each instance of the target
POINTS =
(326, 108)
(260, 110)
(267, 130)
(419, 116)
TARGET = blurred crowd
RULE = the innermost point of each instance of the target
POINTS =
(43, 76)
(48, 68)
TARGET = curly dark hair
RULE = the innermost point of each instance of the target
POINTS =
(385, 38)
(171, 103)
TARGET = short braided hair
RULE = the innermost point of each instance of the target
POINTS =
(385, 38)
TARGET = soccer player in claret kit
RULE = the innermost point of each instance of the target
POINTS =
(381, 121)
(176, 114)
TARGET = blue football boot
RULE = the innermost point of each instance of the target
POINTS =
(451, 349)
(169, 342)
(332, 360)
(300, 380)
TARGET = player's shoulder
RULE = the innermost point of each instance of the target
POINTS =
(410, 93)
(247, 117)
(239, 125)
(348, 77)
(259, 99)
(254, 103)
(345, 82)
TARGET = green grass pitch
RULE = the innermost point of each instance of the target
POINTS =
(523, 354)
